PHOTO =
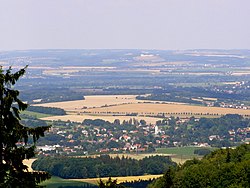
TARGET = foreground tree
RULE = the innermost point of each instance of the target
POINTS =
(109, 184)
(14, 136)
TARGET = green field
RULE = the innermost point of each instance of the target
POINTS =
(56, 182)
(180, 151)
(36, 114)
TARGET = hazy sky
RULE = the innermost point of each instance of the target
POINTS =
(105, 24)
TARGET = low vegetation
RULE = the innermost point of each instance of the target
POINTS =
(56, 182)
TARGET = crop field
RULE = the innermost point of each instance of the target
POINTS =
(172, 109)
(111, 107)
(119, 179)
(110, 118)
(97, 101)
(138, 156)
(94, 101)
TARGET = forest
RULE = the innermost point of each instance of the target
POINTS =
(221, 168)
(103, 166)
(47, 110)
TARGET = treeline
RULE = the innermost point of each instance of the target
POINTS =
(30, 121)
(185, 94)
(50, 94)
(46, 110)
(79, 186)
(221, 168)
(137, 184)
(103, 166)
(170, 98)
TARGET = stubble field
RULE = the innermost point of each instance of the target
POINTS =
(154, 109)
(119, 179)
(125, 107)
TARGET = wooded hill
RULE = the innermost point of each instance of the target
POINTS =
(221, 168)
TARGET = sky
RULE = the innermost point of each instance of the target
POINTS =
(124, 24)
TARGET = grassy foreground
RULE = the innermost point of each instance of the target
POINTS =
(186, 151)
(56, 182)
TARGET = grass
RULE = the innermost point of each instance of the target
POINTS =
(56, 182)
(181, 154)
(36, 114)
(186, 151)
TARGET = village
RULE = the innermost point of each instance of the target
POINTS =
(133, 136)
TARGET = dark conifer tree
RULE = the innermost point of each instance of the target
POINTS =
(13, 173)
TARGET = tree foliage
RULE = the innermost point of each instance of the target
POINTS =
(103, 166)
(109, 184)
(14, 136)
(221, 168)
(47, 110)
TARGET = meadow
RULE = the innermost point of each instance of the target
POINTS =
(185, 151)
(56, 182)
(36, 114)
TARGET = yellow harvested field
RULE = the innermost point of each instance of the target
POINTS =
(80, 118)
(231, 83)
(241, 73)
(120, 179)
(29, 163)
(92, 102)
(209, 99)
(129, 155)
(111, 107)
(96, 101)
(138, 156)
(154, 109)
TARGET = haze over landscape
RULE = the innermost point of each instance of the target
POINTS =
(153, 93)
(124, 24)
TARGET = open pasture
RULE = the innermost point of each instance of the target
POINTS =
(56, 182)
(187, 151)
(35, 114)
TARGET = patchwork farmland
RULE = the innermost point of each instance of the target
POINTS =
(125, 107)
